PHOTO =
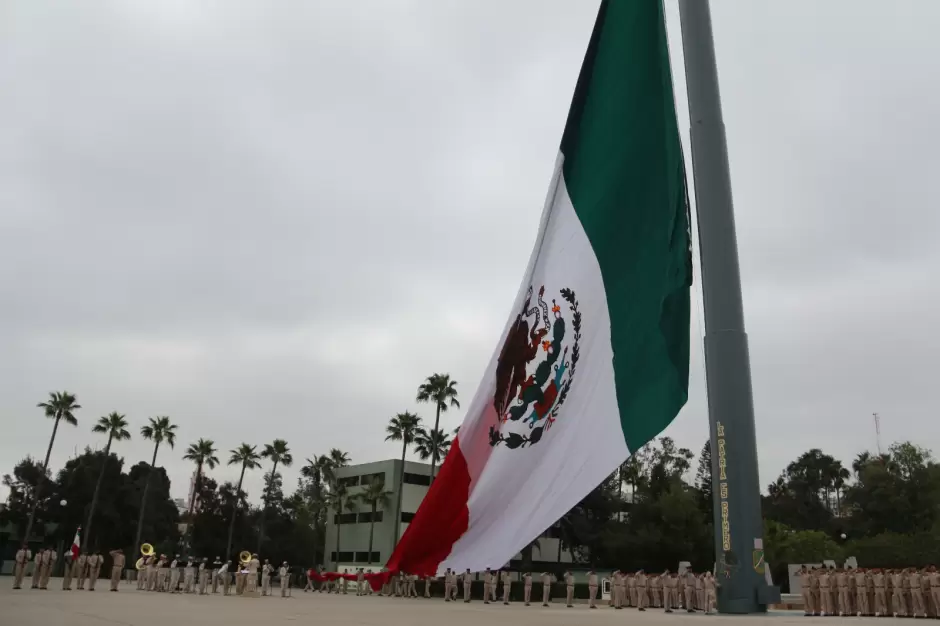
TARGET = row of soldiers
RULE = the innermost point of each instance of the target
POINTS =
(160, 574)
(669, 590)
(84, 567)
(872, 592)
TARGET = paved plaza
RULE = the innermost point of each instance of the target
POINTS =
(130, 607)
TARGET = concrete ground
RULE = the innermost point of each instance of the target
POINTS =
(130, 607)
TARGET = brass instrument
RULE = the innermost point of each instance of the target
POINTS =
(244, 557)
(146, 549)
(139, 565)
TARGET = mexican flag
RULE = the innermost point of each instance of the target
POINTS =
(593, 361)
(77, 542)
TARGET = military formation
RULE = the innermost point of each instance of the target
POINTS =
(872, 592)
(159, 573)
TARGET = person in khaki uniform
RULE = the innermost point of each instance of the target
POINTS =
(700, 592)
(917, 594)
(427, 587)
(630, 598)
(861, 593)
(487, 583)
(67, 571)
(448, 585)
(95, 562)
(670, 587)
(47, 566)
(253, 566)
(284, 575)
(546, 588)
(842, 592)
(806, 591)
(225, 577)
(38, 561)
(689, 591)
(881, 598)
(467, 585)
(117, 567)
(189, 576)
(80, 572)
(527, 587)
(619, 589)
(711, 595)
(642, 599)
(898, 604)
(266, 572)
(203, 576)
(507, 586)
(933, 579)
(569, 589)
(825, 597)
(175, 565)
(592, 589)
(19, 566)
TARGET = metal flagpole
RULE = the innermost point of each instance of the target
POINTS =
(739, 545)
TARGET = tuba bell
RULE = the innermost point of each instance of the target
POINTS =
(146, 549)
(139, 565)
(244, 557)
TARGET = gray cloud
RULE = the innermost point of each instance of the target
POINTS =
(274, 219)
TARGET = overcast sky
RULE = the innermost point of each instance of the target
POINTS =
(274, 219)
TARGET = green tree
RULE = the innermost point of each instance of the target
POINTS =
(23, 485)
(433, 444)
(114, 425)
(440, 390)
(202, 453)
(159, 429)
(403, 427)
(338, 500)
(375, 495)
(313, 491)
(703, 481)
(278, 452)
(248, 457)
(61, 406)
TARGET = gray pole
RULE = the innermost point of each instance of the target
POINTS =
(738, 523)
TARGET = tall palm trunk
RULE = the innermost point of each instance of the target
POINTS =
(401, 488)
(39, 485)
(316, 519)
(264, 508)
(339, 525)
(231, 524)
(371, 532)
(192, 505)
(94, 498)
(437, 423)
(143, 498)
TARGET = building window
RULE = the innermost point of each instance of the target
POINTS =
(407, 517)
(368, 479)
(349, 481)
(345, 518)
(417, 479)
(366, 518)
(344, 557)
(363, 557)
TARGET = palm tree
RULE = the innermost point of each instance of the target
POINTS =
(403, 427)
(375, 495)
(202, 453)
(338, 499)
(279, 453)
(838, 477)
(317, 470)
(114, 425)
(442, 391)
(433, 444)
(61, 406)
(158, 430)
(248, 458)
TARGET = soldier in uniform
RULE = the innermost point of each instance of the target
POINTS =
(216, 565)
(630, 599)
(618, 590)
(670, 585)
(51, 557)
(81, 570)
(527, 587)
(824, 596)
(569, 589)
(487, 581)
(711, 597)
(467, 585)
(284, 574)
(448, 584)
(842, 581)
(861, 593)
(38, 561)
(507, 586)
(67, 571)
(253, 566)
(427, 587)
(95, 562)
(225, 577)
(117, 567)
(806, 591)
(657, 590)
(203, 576)
(19, 566)
(881, 598)
(700, 592)
(641, 598)
(934, 579)
(689, 591)
(898, 601)
(546, 588)
(175, 574)
(592, 589)
(160, 583)
(917, 594)
(266, 572)
(189, 576)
